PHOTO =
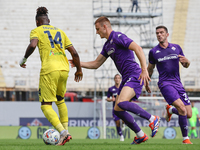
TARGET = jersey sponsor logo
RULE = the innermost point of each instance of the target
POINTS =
(57, 53)
(157, 51)
(112, 50)
(171, 56)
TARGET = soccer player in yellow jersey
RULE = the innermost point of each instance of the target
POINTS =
(52, 43)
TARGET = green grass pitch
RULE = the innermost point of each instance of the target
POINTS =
(100, 144)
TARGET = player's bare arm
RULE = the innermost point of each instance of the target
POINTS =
(30, 49)
(150, 71)
(91, 64)
(78, 74)
(144, 76)
(94, 64)
(184, 61)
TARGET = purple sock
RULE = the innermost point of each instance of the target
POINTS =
(182, 120)
(175, 111)
(119, 130)
(128, 119)
(134, 108)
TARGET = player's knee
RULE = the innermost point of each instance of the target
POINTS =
(182, 110)
(59, 98)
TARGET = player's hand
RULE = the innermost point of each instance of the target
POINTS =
(113, 98)
(22, 62)
(144, 77)
(184, 61)
(71, 63)
(78, 76)
(148, 89)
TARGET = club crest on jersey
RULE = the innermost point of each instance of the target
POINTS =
(173, 48)
(111, 41)
(112, 50)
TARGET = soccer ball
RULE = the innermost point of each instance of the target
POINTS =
(51, 137)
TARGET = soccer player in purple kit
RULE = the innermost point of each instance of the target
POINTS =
(111, 97)
(120, 48)
(166, 56)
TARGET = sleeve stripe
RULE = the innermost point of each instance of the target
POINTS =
(33, 38)
(68, 46)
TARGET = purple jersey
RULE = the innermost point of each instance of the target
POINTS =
(112, 91)
(117, 48)
(167, 63)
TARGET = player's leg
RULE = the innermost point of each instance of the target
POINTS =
(47, 95)
(117, 123)
(122, 124)
(180, 106)
(191, 125)
(123, 103)
(131, 91)
(62, 108)
(172, 110)
(174, 96)
(193, 128)
(130, 122)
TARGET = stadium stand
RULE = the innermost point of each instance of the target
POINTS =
(76, 19)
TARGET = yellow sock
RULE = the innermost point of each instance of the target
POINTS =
(65, 125)
(51, 115)
(63, 112)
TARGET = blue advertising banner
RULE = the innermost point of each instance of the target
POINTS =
(89, 122)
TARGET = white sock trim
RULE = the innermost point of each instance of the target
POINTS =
(184, 138)
(170, 110)
(151, 119)
(140, 134)
(62, 132)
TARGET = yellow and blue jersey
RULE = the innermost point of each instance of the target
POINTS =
(52, 43)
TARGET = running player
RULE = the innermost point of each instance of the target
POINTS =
(166, 56)
(52, 43)
(111, 96)
(120, 48)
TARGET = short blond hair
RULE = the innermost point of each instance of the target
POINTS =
(101, 20)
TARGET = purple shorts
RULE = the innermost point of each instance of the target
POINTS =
(172, 93)
(134, 83)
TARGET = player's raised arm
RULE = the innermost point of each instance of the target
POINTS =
(30, 49)
(76, 61)
(144, 76)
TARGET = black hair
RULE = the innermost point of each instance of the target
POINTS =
(41, 11)
(165, 28)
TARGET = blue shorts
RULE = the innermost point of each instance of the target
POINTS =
(172, 93)
(134, 83)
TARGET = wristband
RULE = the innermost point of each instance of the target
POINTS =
(22, 61)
